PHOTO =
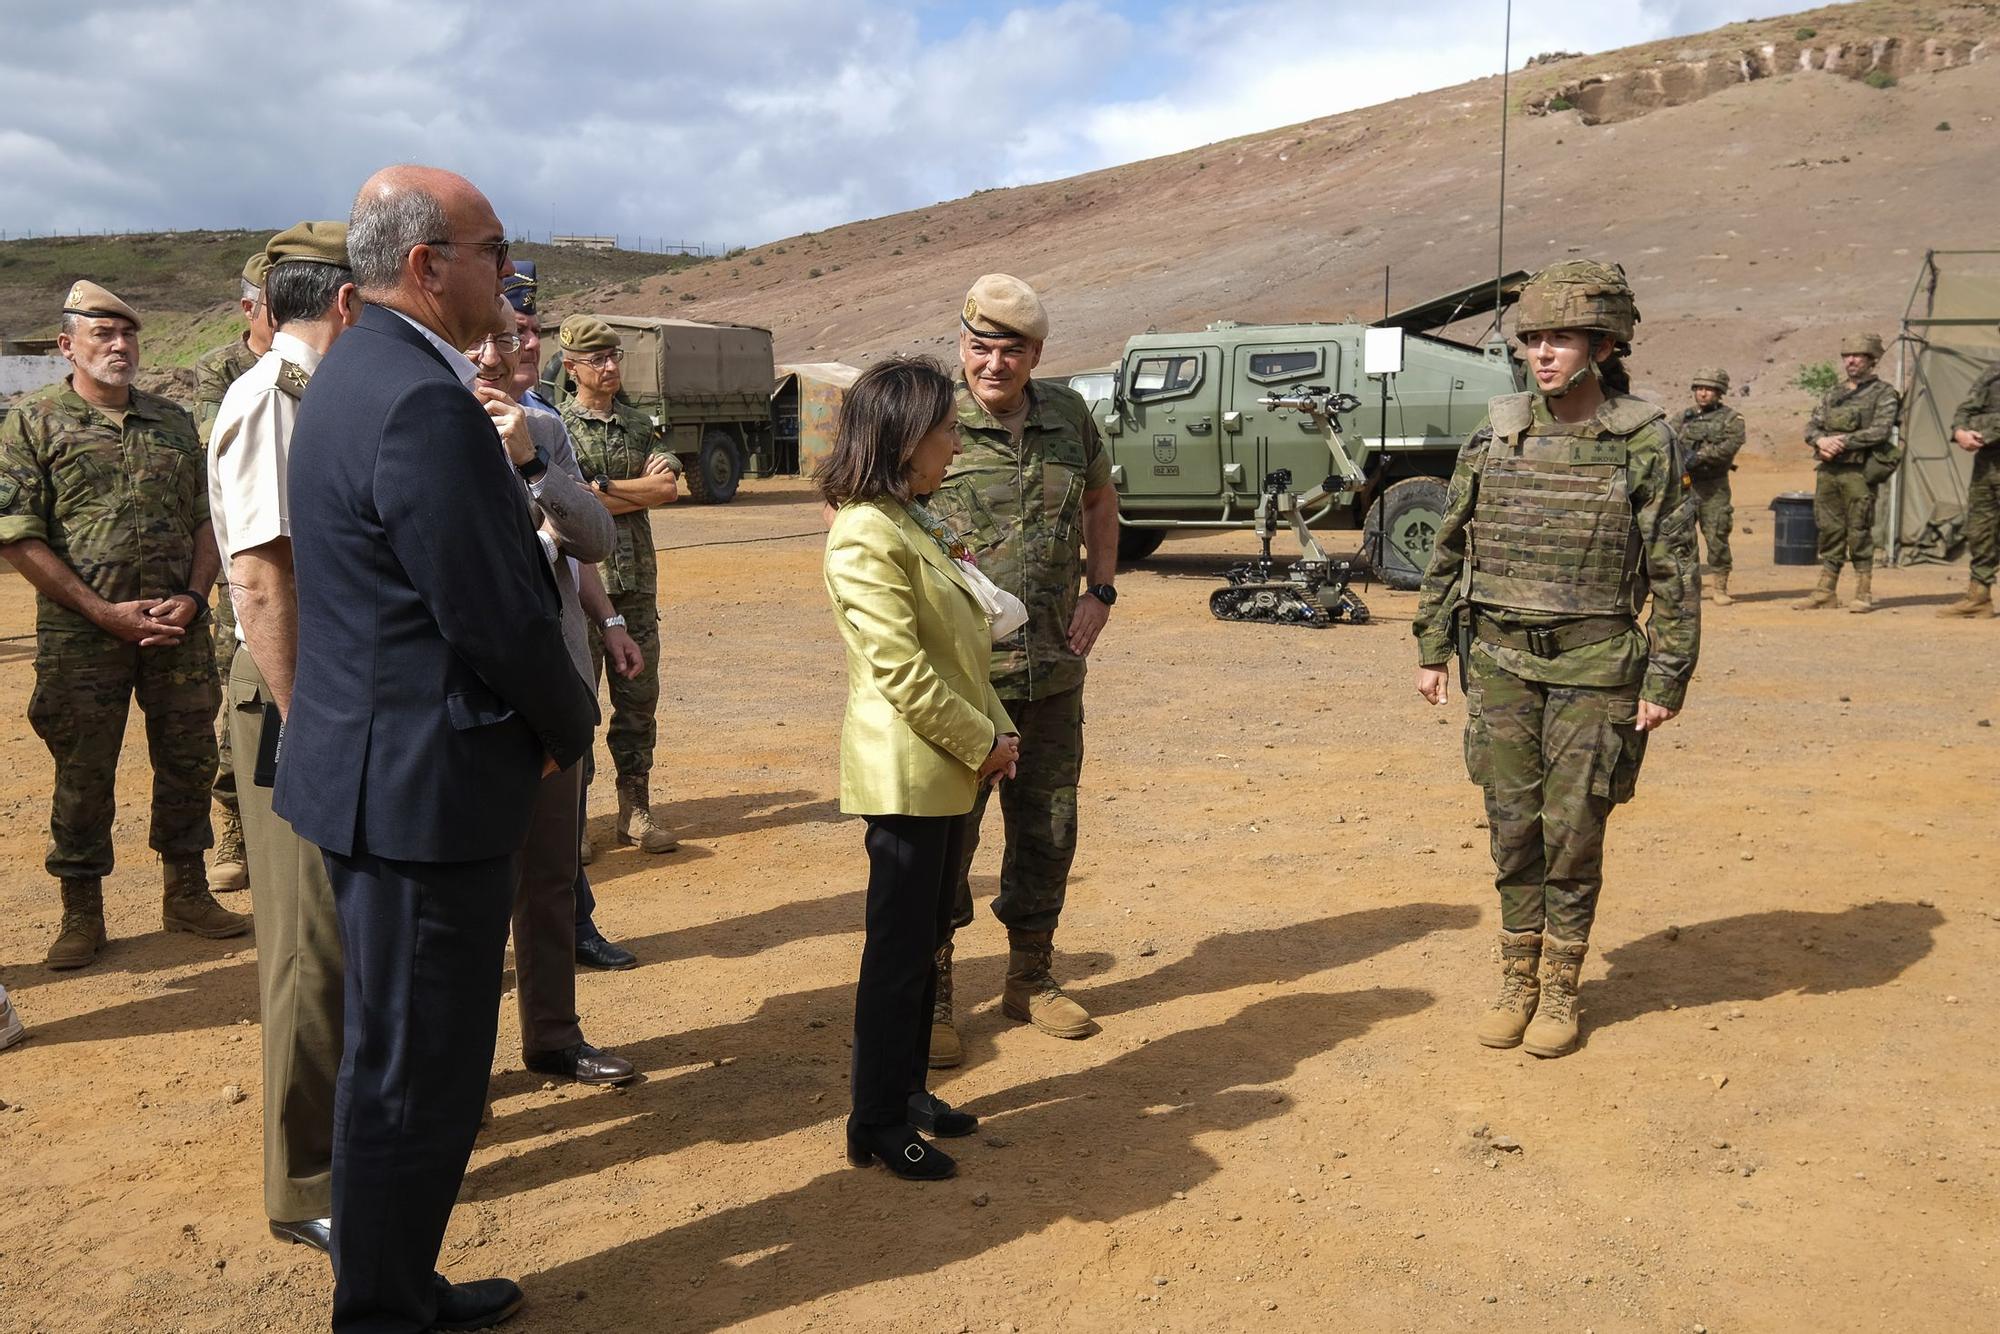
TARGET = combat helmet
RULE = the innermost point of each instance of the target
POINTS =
(1711, 378)
(1578, 294)
(1862, 342)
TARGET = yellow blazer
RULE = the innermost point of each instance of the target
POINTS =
(921, 712)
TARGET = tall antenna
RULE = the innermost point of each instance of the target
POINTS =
(1500, 247)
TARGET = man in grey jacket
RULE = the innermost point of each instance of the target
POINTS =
(573, 528)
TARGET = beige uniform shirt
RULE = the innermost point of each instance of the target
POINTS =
(249, 449)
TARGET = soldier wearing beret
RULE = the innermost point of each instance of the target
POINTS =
(312, 299)
(1711, 433)
(1031, 495)
(625, 457)
(1852, 432)
(1976, 427)
(217, 369)
(104, 509)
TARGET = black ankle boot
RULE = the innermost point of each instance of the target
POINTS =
(900, 1149)
(934, 1116)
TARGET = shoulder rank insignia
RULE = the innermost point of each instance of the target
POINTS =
(293, 378)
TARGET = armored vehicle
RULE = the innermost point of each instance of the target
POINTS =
(1195, 423)
(707, 386)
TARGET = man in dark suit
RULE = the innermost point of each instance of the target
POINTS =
(433, 692)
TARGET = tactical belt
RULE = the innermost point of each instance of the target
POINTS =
(1549, 641)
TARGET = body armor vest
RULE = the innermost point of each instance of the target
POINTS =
(1552, 530)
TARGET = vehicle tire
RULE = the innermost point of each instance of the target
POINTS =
(716, 469)
(1135, 544)
(1409, 512)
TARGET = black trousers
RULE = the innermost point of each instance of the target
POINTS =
(911, 861)
(424, 945)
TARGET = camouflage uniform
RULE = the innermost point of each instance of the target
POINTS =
(617, 447)
(219, 368)
(1561, 663)
(1844, 494)
(120, 505)
(1020, 510)
(1710, 438)
(1981, 412)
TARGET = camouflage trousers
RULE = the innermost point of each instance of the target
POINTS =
(1553, 760)
(634, 727)
(1844, 510)
(1712, 507)
(1982, 515)
(85, 682)
(1038, 814)
(225, 653)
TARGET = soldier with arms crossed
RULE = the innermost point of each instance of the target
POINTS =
(1711, 433)
(1976, 427)
(1852, 433)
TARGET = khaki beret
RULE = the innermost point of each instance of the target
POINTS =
(309, 243)
(1717, 380)
(89, 300)
(1867, 344)
(255, 268)
(1002, 306)
(587, 334)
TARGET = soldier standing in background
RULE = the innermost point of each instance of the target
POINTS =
(1031, 495)
(1852, 432)
(1976, 427)
(626, 459)
(104, 509)
(1711, 433)
(1566, 511)
(217, 369)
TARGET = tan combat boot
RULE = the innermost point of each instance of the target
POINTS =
(635, 819)
(82, 934)
(1720, 583)
(1520, 954)
(1977, 600)
(229, 868)
(188, 906)
(945, 1049)
(1553, 1033)
(1864, 592)
(1031, 995)
(1822, 596)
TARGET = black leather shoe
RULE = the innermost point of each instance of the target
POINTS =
(314, 1232)
(597, 952)
(900, 1149)
(583, 1063)
(934, 1116)
(480, 1304)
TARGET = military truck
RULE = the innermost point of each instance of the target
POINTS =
(707, 386)
(1191, 442)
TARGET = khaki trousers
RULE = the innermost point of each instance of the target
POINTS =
(545, 916)
(299, 974)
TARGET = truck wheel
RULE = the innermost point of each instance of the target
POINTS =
(1402, 526)
(717, 468)
(1135, 544)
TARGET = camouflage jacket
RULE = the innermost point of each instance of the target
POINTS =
(1866, 415)
(1661, 656)
(218, 368)
(1020, 510)
(616, 447)
(1981, 409)
(1710, 438)
(119, 505)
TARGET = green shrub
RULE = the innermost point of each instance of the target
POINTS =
(1817, 378)
(1806, 34)
(1879, 78)
(812, 273)
(1560, 104)
(756, 261)
(1944, 125)
(688, 296)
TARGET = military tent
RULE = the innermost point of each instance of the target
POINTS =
(805, 412)
(1949, 337)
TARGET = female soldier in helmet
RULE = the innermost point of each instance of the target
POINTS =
(1567, 513)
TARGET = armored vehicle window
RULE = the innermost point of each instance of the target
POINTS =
(1290, 365)
(1093, 385)
(1160, 377)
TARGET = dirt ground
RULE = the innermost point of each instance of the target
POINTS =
(1784, 1116)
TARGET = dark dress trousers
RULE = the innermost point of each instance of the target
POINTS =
(432, 683)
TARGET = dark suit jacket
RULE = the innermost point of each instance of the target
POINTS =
(432, 677)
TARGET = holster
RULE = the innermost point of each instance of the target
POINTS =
(1461, 618)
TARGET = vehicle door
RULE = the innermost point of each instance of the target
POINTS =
(1174, 398)
(1262, 439)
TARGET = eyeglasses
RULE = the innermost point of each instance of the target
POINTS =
(501, 343)
(603, 359)
(499, 248)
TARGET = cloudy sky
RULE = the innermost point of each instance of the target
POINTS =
(730, 122)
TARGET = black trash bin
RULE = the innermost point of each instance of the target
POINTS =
(1795, 536)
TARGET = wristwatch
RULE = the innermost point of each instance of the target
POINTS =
(533, 468)
(1104, 593)
(601, 482)
(611, 623)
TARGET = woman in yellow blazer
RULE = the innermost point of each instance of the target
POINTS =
(923, 731)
